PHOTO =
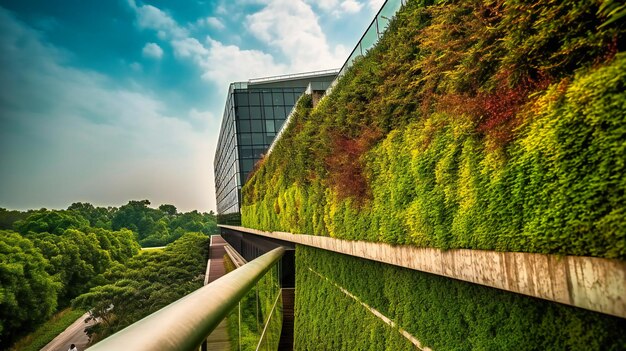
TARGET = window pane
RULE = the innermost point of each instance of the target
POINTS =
(278, 98)
(269, 139)
(289, 99)
(244, 126)
(279, 112)
(278, 124)
(241, 99)
(245, 139)
(255, 99)
(255, 112)
(247, 165)
(267, 99)
(269, 126)
(257, 138)
(243, 112)
(247, 152)
(257, 126)
(269, 112)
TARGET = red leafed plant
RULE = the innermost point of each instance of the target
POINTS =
(495, 111)
(345, 170)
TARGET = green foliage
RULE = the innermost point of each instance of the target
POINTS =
(28, 294)
(98, 217)
(77, 259)
(473, 124)
(72, 256)
(51, 329)
(145, 284)
(60, 254)
(9, 217)
(51, 221)
(158, 227)
(613, 10)
(444, 314)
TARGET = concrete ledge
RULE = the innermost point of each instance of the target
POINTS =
(592, 283)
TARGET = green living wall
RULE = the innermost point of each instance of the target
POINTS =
(442, 313)
(472, 124)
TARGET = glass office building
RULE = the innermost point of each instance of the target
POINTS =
(255, 111)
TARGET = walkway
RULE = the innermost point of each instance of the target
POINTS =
(218, 340)
(74, 334)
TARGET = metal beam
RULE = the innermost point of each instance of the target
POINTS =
(185, 323)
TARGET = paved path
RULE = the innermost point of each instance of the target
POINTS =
(74, 334)
(218, 340)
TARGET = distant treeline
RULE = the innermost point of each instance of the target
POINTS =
(49, 257)
(152, 226)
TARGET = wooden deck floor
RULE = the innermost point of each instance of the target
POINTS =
(218, 340)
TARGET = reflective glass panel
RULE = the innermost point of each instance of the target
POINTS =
(243, 112)
(244, 126)
(255, 112)
(255, 99)
(279, 112)
(278, 98)
(241, 98)
(257, 138)
(257, 126)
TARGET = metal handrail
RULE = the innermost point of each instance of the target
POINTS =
(185, 323)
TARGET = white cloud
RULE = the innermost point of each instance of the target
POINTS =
(375, 5)
(337, 8)
(229, 63)
(70, 134)
(326, 5)
(136, 66)
(292, 27)
(215, 23)
(152, 50)
(223, 64)
(150, 17)
(351, 6)
(189, 47)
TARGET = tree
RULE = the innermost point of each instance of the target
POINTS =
(28, 294)
(98, 217)
(51, 221)
(169, 209)
(145, 284)
(136, 216)
(8, 217)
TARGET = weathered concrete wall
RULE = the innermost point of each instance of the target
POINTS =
(595, 284)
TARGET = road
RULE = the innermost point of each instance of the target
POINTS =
(74, 334)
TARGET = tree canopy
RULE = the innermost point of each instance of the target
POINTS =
(52, 256)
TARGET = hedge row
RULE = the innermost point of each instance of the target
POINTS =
(444, 314)
(472, 124)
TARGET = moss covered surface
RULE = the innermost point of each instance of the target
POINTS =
(472, 124)
(444, 314)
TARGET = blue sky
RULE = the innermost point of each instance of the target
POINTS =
(107, 101)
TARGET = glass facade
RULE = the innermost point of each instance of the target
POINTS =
(374, 32)
(253, 114)
(259, 115)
